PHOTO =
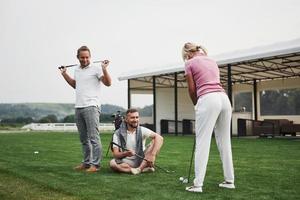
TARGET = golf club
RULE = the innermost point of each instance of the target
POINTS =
(165, 170)
(191, 162)
(117, 123)
(182, 178)
(61, 67)
(98, 61)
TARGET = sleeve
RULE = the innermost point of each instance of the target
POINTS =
(115, 140)
(99, 72)
(187, 68)
(146, 133)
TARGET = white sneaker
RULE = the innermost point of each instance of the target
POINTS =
(148, 169)
(194, 188)
(227, 185)
(135, 171)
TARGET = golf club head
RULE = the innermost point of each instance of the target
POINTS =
(62, 67)
(185, 181)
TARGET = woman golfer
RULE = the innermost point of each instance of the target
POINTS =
(213, 113)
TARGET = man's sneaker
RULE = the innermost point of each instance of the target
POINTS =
(226, 184)
(93, 169)
(135, 171)
(194, 188)
(81, 167)
(148, 169)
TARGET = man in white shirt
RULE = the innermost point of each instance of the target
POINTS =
(132, 139)
(87, 83)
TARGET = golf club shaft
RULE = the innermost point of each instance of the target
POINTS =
(141, 157)
(61, 67)
(98, 61)
(191, 162)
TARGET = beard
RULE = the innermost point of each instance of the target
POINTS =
(84, 64)
(133, 125)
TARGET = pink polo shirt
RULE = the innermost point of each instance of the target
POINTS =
(205, 73)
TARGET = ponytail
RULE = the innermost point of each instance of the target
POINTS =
(191, 47)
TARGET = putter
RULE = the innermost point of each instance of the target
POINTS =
(97, 61)
(191, 162)
(165, 170)
(183, 179)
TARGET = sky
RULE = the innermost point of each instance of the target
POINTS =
(37, 36)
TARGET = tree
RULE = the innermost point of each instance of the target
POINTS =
(280, 102)
(49, 119)
(69, 119)
(106, 118)
(25, 120)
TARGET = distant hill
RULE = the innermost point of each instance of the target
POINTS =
(146, 111)
(39, 110)
(60, 110)
(111, 109)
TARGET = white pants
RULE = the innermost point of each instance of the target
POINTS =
(213, 112)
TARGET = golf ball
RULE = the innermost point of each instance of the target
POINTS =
(36, 152)
(181, 178)
(185, 181)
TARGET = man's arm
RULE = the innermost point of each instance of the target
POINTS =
(106, 79)
(66, 76)
(157, 142)
(119, 155)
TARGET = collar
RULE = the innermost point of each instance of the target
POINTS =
(85, 67)
(199, 54)
(129, 132)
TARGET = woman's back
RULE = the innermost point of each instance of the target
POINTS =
(205, 73)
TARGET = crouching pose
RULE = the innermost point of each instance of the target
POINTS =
(131, 146)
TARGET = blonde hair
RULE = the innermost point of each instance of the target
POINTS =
(191, 47)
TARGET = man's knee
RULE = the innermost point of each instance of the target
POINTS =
(149, 150)
(113, 164)
(84, 141)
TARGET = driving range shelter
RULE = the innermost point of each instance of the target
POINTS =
(254, 80)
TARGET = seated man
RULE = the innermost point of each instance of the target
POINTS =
(132, 138)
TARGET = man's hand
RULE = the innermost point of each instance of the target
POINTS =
(150, 160)
(104, 64)
(70, 81)
(106, 80)
(63, 70)
(129, 153)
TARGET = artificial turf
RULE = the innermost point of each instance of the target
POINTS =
(264, 169)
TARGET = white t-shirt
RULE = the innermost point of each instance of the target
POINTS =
(131, 140)
(88, 86)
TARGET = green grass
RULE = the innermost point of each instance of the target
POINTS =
(11, 127)
(264, 169)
